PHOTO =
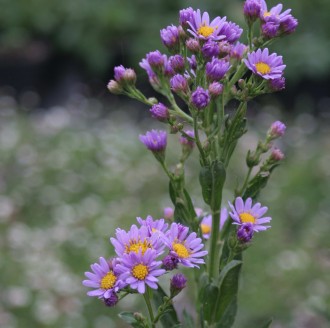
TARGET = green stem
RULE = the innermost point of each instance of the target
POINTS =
(198, 142)
(245, 181)
(146, 296)
(177, 109)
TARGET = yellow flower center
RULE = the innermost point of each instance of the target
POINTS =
(205, 228)
(205, 30)
(140, 271)
(247, 218)
(108, 281)
(181, 250)
(262, 68)
(267, 13)
(136, 246)
(153, 230)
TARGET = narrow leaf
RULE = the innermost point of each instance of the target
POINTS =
(268, 323)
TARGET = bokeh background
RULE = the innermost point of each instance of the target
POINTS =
(72, 168)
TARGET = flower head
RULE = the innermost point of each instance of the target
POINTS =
(243, 212)
(231, 31)
(103, 278)
(139, 270)
(251, 10)
(178, 282)
(276, 130)
(206, 223)
(188, 249)
(202, 28)
(210, 49)
(186, 16)
(237, 51)
(264, 65)
(179, 84)
(154, 140)
(277, 84)
(184, 141)
(112, 300)
(217, 69)
(215, 89)
(160, 112)
(177, 63)
(200, 98)
(276, 155)
(170, 262)
(136, 240)
(154, 226)
(170, 36)
(245, 232)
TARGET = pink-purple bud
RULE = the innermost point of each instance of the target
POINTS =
(170, 262)
(215, 89)
(179, 84)
(177, 63)
(170, 36)
(193, 45)
(276, 130)
(114, 87)
(251, 10)
(155, 59)
(168, 213)
(276, 155)
(160, 112)
(245, 232)
(200, 98)
(178, 282)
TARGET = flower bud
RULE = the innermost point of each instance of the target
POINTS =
(215, 89)
(193, 45)
(245, 232)
(168, 213)
(200, 98)
(276, 155)
(178, 282)
(160, 112)
(276, 130)
(112, 300)
(170, 262)
(114, 87)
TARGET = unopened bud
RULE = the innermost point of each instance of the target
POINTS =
(114, 87)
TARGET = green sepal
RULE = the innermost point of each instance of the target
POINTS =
(131, 319)
(212, 179)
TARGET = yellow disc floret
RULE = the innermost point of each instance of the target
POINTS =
(140, 271)
(108, 281)
(137, 246)
(205, 30)
(262, 68)
(181, 250)
(247, 218)
(267, 13)
(205, 228)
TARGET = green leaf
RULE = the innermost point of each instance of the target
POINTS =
(188, 321)
(170, 318)
(130, 319)
(209, 295)
(212, 179)
(226, 302)
(268, 323)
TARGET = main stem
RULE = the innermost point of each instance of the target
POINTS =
(146, 296)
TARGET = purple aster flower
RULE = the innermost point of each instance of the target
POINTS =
(178, 282)
(202, 28)
(154, 226)
(266, 14)
(276, 130)
(210, 49)
(231, 31)
(136, 240)
(215, 89)
(186, 16)
(237, 51)
(139, 270)
(271, 27)
(103, 278)
(177, 63)
(206, 223)
(245, 232)
(153, 79)
(267, 66)
(276, 84)
(160, 112)
(192, 62)
(170, 262)
(288, 24)
(188, 249)
(216, 69)
(200, 98)
(112, 300)
(154, 140)
(193, 45)
(168, 213)
(179, 84)
(170, 36)
(276, 155)
(184, 141)
(155, 59)
(244, 212)
(251, 10)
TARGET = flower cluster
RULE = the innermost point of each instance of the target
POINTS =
(139, 260)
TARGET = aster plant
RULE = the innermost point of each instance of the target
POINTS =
(210, 70)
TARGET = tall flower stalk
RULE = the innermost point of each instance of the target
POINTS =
(208, 68)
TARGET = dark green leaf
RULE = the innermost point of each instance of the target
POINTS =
(209, 295)
(188, 321)
(226, 302)
(169, 319)
(212, 179)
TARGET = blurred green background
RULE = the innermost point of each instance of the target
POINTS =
(72, 168)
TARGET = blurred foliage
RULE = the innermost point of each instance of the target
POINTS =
(69, 176)
(107, 32)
